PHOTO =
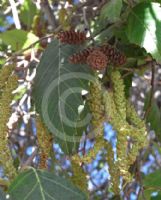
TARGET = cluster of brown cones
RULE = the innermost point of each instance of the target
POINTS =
(96, 57)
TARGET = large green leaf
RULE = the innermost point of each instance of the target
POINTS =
(154, 116)
(41, 185)
(57, 92)
(18, 39)
(111, 10)
(144, 28)
(152, 183)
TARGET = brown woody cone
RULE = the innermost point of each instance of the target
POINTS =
(114, 55)
(72, 37)
(97, 60)
(81, 57)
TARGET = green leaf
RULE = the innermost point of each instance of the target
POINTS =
(111, 10)
(154, 116)
(144, 28)
(18, 39)
(41, 185)
(58, 98)
(152, 183)
(2, 195)
(132, 50)
(27, 12)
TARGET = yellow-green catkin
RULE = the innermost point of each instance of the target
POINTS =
(112, 114)
(124, 119)
(119, 95)
(79, 176)
(95, 102)
(5, 72)
(5, 155)
(113, 169)
(44, 142)
(133, 117)
(122, 132)
(91, 155)
(139, 132)
(99, 144)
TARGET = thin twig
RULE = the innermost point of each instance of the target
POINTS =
(151, 91)
(87, 24)
(29, 160)
(141, 191)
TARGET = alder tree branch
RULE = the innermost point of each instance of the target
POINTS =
(29, 160)
(45, 6)
(152, 89)
(15, 14)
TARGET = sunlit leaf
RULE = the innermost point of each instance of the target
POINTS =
(18, 39)
(144, 27)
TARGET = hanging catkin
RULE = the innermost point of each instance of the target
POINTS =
(5, 72)
(44, 142)
(95, 102)
(79, 176)
(123, 117)
(120, 126)
(113, 168)
(119, 94)
(5, 158)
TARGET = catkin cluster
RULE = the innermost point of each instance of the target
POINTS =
(44, 142)
(124, 119)
(98, 58)
(5, 157)
(112, 106)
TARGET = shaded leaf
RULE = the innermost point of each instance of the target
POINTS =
(144, 27)
(57, 95)
(152, 183)
(41, 185)
(154, 116)
(132, 50)
(111, 10)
